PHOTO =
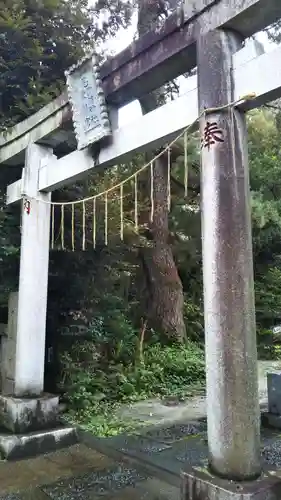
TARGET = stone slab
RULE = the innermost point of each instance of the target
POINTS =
(155, 489)
(20, 415)
(274, 393)
(94, 484)
(15, 446)
(200, 484)
(192, 451)
(138, 444)
(176, 432)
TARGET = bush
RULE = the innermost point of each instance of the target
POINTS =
(111, 368)
(163, 371)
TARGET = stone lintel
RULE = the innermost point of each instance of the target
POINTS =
(20, 415)
(200, 484)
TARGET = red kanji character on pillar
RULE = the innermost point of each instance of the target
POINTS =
(212, 134)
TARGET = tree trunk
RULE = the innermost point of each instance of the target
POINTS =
(162, 279)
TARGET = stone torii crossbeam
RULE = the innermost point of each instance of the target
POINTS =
(209, 34)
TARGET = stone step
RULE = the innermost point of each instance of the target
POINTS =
(16, 446)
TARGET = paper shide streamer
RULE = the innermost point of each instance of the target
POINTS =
(169, 180)
(136, 204)
(151, 191)
(121, 213)
(185, 165)
(105, 219)
(94, 222)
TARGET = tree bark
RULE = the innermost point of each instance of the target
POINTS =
(164, 286)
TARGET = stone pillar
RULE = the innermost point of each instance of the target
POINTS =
(29, 416)
(33, 281)
(23, 406)
(230, 333)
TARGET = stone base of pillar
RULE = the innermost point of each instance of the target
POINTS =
(17, 446)
(31, 426)
(20, 415)
(199, 484)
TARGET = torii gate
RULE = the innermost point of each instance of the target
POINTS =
(210, 34)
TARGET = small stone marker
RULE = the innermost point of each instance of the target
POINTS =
(274, 393)
(273, 417)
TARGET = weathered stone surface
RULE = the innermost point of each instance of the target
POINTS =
(146, 64)
(133, 73)
(200, 484)
(12, 315)
(229, 308)
(14, 446)
(274, 393)
(154, 489)
(21, 415)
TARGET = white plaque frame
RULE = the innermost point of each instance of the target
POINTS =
(90, 116)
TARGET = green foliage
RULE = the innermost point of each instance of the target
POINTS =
(9, 239)
(39, 39)
(194, 317)
(265, 174)
(268, 297)
(111, 367)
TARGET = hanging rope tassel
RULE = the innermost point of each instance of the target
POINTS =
(121, 214)
(53, 228)
(151, 192)
(185, 166)
(233, 142)
(136, 203)
(62, 227)
(72, 228)
(84, 227)
(105, 219)
(94, 223)
(169, 180)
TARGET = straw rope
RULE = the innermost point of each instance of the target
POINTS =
(134, 177)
